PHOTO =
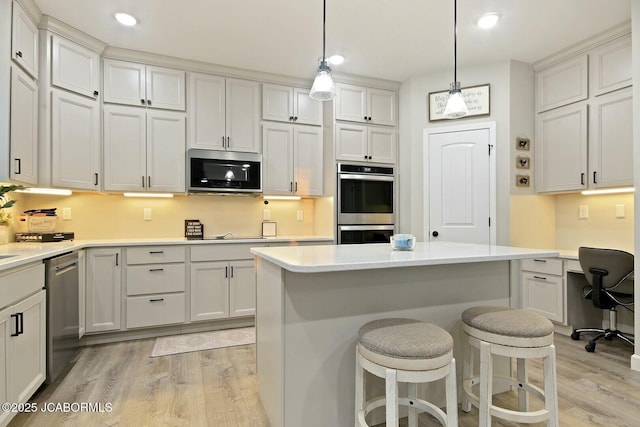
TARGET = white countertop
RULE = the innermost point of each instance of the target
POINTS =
(27, 252)
(315, 259)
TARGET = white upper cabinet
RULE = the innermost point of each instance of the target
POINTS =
(365, 143)
(224, 114)
(144, 85)
(74, 67)
(365, 105)
(611, 140)
(24, 41)
(561, 149)
(75, 141)
(611, 66)
(23, 145)
(166, 140)
(289, 104)
(562, 83)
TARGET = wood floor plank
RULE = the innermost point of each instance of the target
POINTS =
(219, 388)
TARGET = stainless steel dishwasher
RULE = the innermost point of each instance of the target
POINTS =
(62, 312)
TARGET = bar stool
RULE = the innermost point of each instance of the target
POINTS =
(514, 333)
(407, 351)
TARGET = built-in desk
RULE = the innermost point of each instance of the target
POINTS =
(553, 287)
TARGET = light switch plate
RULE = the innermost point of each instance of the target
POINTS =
(584, 212)
(66, 214)
(619, 211)
(147, 214)
(300, 215)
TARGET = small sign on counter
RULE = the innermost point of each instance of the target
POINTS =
(193, 229)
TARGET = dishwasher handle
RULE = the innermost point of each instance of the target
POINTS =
(62, 269)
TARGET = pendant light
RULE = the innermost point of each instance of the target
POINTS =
(456, 106)
(323, 89)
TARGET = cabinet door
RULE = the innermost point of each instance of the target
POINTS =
(24, 127)
(242, 288)
(124, 82)
(75, 67)
(382, 145)
(307, 111)
(209, 290)
(351, 103)
(75, 141)
(7, 327)
(24, 41)
(277, 159)
(307, 163)
(104, 290)
(543, 294)
(243, 115)
(166, 139)
(125, 139)
(611, 67)
(277, 103)
(206, 112)
(28, 350)
(611, 140)
(165, 88)
(351, 143)
(561, 149)
(381, 107)
(562, 84)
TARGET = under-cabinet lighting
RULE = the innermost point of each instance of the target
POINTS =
(126, 19)
(281, 197)
(48, 191)
(609, 191)
(157, 195)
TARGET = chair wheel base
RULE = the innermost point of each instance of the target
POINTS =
(575, 335)
(590, 347)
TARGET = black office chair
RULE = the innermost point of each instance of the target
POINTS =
(606, 270)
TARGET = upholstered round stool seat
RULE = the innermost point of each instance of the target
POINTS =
(513, 333)
(405, 351)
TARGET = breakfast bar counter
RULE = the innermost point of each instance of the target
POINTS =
(312, 300)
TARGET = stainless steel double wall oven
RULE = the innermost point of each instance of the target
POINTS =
(365, 203)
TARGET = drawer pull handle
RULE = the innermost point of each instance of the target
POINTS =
(156, 299)
(540, 277)
(540, 260)
(156, 252)
(156, 269)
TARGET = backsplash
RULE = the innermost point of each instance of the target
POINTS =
(104, 216)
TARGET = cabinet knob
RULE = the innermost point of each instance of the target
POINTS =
(435, 234)
(295, 118)
(369, 118)
(96, 93)
(148, 102)
(365, 117)
(19, 54)
(142, 101)
(291, 118)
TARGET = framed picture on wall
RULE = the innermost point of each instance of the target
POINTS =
(477, 99)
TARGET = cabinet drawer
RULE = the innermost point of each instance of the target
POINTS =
(19, 283)
(155, 254)
(155, 278)
(223, 251)
(543, 265)
(155, 310)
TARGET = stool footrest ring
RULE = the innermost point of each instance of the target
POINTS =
(420, 404)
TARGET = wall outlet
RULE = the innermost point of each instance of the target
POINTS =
(300, 215)
(619, 211)
(266, 214)
(66, 214)
(583, 212)
(147, 214)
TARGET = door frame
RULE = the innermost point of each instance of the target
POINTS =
(491, 127)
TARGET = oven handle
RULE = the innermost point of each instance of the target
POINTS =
(366, 177)
(364, 227)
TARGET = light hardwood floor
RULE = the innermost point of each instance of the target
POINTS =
(219, 388)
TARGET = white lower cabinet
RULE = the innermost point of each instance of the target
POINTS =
(542, 287)
(22, 335)
(104, 289)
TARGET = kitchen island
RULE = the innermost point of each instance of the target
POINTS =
(312, 300)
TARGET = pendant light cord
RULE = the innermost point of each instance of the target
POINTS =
(455, 40)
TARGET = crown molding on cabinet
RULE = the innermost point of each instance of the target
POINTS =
(31, 8)
(579, 48)
(365, 81)
(58, 27)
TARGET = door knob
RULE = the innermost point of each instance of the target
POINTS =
(434, 234)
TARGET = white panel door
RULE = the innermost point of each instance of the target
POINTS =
(242, 288)
(307, 165)
(75, 67)
(24, 127)
(611, 140)
(124, 82)
(166, 139)
(24, 41)
(75, 141)
(125, 136)
(206, 111)
(351, 142)
(277, 159)
(209, 290)
(165, 88)
(243, 115)
(460, 186)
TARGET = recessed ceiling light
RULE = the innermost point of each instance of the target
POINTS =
(126, 19)
(488, 20)
(336, 59)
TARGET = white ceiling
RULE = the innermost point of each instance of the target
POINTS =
(389, 39)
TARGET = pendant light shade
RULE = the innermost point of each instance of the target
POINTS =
(323, 89)
(456, 106)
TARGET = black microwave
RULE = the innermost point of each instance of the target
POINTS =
(224, 171)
